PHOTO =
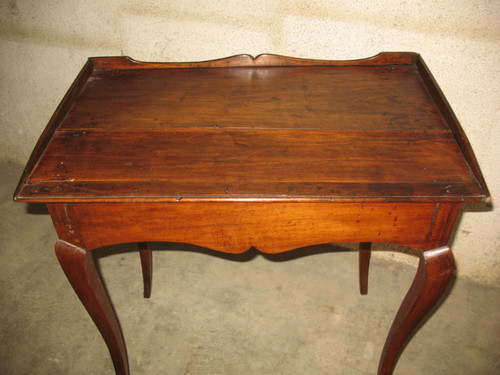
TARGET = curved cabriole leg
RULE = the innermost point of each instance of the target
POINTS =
(433, 276)
(365, 251)
(147, 267)
(79, 267)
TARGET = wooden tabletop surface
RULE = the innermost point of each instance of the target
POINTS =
(271, 128)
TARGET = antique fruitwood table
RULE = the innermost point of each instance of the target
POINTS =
(270, 152)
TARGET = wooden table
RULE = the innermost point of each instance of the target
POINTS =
(271, 152)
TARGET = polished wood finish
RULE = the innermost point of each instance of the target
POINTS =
(271, 152)
(285, 130)
(234, 227)
(264, 60)
(79, 267)
(434, 273)
(147, 267)
(365, 252)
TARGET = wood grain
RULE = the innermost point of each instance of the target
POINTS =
(270, 128)
(454, 125)
(434, 273)
(343, 97)
(79, 267)
(234, 227)
(125, 62)
(216, 162)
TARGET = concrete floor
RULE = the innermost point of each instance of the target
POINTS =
(298, 313)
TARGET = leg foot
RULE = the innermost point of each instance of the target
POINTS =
(79, 267)
(434, 274)
(147, 267)
(364, 264)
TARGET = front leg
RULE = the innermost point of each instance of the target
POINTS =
(79, 267)
(433, 276)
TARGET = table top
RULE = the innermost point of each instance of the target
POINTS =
(244, 128)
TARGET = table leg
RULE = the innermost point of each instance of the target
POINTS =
(79, 267)
(364, 264)
(147, 267)
(433, 276)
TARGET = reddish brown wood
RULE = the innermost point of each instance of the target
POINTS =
(236, 191)
(147, 267)
(79, 267)
(234, 227)
(223, 156)
(274, 97)
(445, 215)
(451, 119)
(125, 62)
(365, 252)
(279, 128)
(434, 273)
(54, 123)
(272, 152)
